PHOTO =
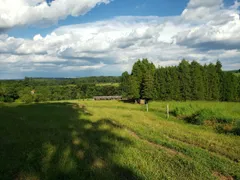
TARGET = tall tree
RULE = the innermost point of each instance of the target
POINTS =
(220, 74)
(148, 91)
(185, 80)
(197, 87)
(213, 82)
(174, 84)
(160, 83)
(140, 70)
(124, 83)
(230, 86)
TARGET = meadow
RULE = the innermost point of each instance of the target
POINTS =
(116, 140)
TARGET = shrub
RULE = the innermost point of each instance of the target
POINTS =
(27, 98)
(236, 130)
(1, 99)
(182, 111)
(200, 116)
(208, 114)
(224, 128)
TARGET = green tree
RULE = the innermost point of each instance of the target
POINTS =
(197, 85)
(124, 86)
(185, 80)
(174, 88)
(148, 91)
(220, 80)
(133, 91)
(213, 82)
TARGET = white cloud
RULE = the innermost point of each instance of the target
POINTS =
(110, 47)
(24, 12)
(220, 30)
(204, 3)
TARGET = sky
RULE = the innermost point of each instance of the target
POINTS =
(75, 38)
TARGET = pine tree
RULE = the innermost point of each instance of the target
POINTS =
(185, 80)
(129, 86)
(133, 91)
(213, 83)
(238, 88)
(174, 84)
(205, 81)
(230, 86)
(160, 83)
(124, 83)
(148, 91)
(140, 70)
(197, 88)
(221, 79)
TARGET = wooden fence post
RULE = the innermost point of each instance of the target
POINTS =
(167, 111)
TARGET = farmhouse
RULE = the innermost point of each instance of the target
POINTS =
(107, 97)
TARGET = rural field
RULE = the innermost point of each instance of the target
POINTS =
(117, 140)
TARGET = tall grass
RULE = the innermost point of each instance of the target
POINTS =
(112, 140)
(223, 116)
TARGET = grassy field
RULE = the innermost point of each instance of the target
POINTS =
(114, 140)
(108, 84)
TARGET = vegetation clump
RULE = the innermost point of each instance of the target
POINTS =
(208, 116)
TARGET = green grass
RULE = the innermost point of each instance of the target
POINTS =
(113, 140)
(223, 116)
(108, 84)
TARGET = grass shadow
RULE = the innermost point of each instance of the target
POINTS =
(54, 141)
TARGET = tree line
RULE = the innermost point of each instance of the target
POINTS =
(51, 89)
(187, 81)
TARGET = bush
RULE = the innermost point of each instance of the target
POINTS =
(1, 99)
(224, 128)
(27, 98)
(236, 130)
(200, 116)
(182, 111)
(208, 114)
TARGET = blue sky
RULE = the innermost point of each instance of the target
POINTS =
(103, 37)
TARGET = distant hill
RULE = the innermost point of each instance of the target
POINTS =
(234, 71)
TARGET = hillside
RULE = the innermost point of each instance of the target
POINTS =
(113, 140)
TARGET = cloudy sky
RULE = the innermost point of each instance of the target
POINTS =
(72, 38)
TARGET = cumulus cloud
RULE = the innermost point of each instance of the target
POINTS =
(220, 30)
(110, 47)
(24, 12)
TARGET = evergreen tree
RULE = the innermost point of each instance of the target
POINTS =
(205, 81)
(197, 87)
(213, 83)
(238, 88)
(133, 91)
(140, 70)
(230, 86)
(124, 83)
(160, 84)
(221, 79)
(148, 91)
(174, 84)
(185, 80)
(168, 79)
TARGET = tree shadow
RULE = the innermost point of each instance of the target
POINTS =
(54, 141)
(129, 101)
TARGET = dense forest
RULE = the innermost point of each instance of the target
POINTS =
(49, 89)
(187, 81)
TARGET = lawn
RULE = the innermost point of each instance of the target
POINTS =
(113, 140)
